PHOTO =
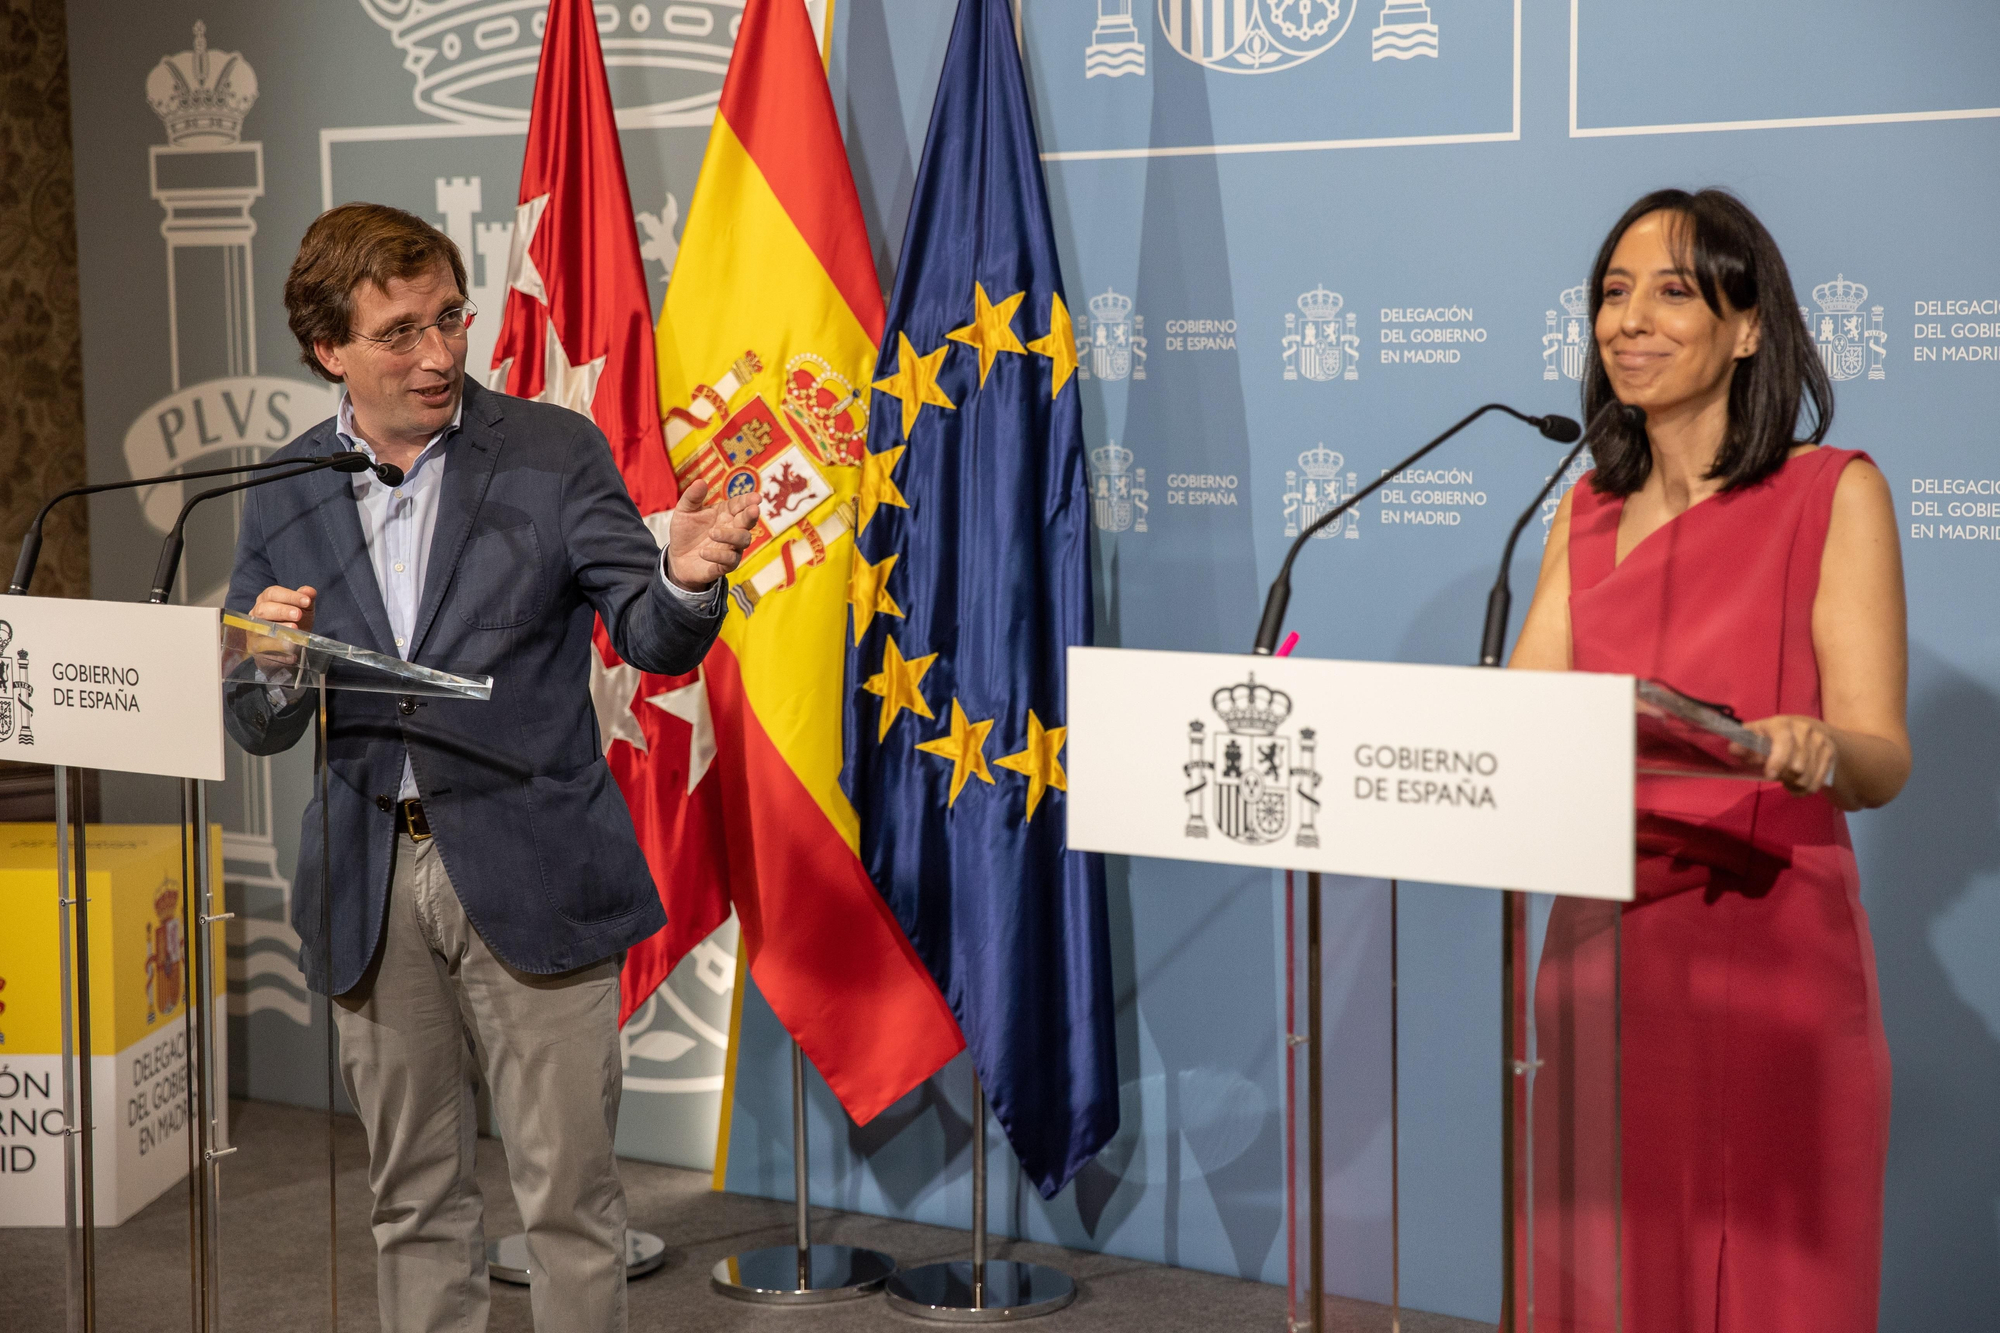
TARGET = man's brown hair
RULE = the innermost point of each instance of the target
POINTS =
(345, 247)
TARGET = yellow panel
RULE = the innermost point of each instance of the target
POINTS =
(136, 958)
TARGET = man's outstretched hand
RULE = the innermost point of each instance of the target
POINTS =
(703, 545)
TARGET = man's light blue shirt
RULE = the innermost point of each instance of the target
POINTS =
(397, 522)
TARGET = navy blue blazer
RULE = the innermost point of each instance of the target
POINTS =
(535, 535)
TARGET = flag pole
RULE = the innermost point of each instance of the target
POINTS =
(801, 1185)
(984, 1290)
(801, 1273)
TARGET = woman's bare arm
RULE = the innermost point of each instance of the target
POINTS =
(1861, 639)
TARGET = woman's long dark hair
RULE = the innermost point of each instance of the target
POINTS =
(1731, 257)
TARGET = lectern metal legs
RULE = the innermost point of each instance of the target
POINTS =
(1395, 1123)
(79, 1172)
(197, 1289)
(985, 1290)
(326, 1006)
(206, 1090)
(801, 1273)
(198, 978)
(1315, 1118)
(1309, 1031)
(1515, 1165)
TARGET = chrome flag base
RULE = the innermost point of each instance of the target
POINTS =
(982, 1290)
(967, 1293)
(801, 1273)
(507, 1258)
(786, 1275)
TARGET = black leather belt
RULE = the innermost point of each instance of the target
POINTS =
(410, 819)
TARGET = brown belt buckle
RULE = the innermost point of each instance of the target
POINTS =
(413, 820)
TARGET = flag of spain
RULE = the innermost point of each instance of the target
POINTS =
(767, 344)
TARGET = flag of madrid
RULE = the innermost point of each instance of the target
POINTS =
(578, 330)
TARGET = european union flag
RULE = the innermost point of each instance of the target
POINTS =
(971, 580)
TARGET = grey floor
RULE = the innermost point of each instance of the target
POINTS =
(274, 1262)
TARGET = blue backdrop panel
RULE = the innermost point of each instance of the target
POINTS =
(1271, 327)
(1736, 60)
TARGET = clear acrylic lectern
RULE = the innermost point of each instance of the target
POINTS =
(1375, 1146)
(1421, 1173)
(251, 653)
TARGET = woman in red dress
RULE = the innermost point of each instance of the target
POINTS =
(1713, 550)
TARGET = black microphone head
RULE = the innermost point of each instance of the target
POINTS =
(350, 461)
(1563, 430)
(1634, 418)
(390, 474)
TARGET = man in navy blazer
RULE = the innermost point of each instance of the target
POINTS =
(486, 877)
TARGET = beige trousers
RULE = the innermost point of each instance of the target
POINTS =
(436, 1006)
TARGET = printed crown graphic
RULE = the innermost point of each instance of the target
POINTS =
(1112, 459)
(1321, 463)
(202, 95)
(475, 60)
(1251, 709)
(1576, 300)
(1111, 308)
(1840, 297)
(1319, 303)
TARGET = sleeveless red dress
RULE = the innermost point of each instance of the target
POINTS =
(1755, 1071)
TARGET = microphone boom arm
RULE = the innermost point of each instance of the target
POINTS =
(1500, 602)
(31, 541)
(170, 553)
(1280, 595)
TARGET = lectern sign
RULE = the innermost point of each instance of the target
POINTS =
(121, 686)
(1452, 775)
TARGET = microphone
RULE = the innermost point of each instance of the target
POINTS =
(1499, 602)
(31, 541)
(1560, 429)
(1563, 430)
(346, 460)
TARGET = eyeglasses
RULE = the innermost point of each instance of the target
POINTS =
(406, 338)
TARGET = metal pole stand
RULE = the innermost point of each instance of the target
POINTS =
(801, 1273)
(984, 1290)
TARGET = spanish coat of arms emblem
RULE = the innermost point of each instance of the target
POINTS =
(1116, 345)
(1319, 489)
(782, 454)
(1250, 779)
(1851, 343)
(1319, 343)
(1117, 490)
(1566, 336)
(166, 953)
(16, 713)
(1253, 36)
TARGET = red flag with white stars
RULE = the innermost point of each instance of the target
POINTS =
(578, 330)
